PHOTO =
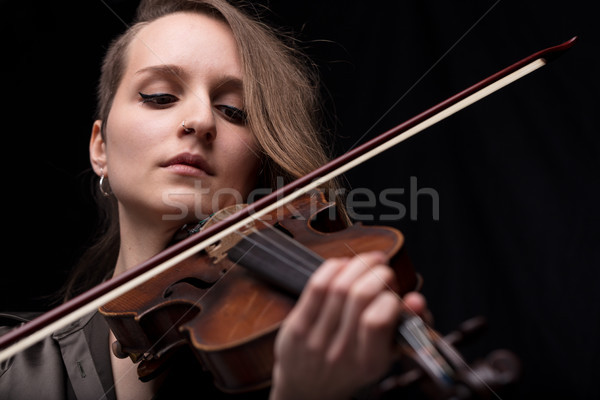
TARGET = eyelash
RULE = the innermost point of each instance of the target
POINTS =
(158, 98)
(163, 100)
(234, 114)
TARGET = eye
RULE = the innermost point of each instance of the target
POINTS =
(233, 114)
(160, 100)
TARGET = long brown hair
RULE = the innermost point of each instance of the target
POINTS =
(281, 99)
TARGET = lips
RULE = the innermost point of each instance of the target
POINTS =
(189, 164)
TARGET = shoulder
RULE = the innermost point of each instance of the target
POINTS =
(60, 366)
(9, 320)
(24, 374)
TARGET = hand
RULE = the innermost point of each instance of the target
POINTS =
(339, 336)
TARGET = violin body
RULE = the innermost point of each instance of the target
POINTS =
(228, 315)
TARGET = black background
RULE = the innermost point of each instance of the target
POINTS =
(517, 175)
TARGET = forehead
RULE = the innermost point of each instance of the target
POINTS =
(192, 40)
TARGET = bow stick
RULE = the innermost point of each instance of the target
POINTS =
(42, 326)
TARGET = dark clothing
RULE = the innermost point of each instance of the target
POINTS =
(74, 363)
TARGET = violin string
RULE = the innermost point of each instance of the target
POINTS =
(466, 365)
(302, 265)
(303, 262)
(276, 250)
(317, 259)
(304, 270)
(415, 333)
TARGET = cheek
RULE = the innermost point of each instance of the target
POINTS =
(129, 137)
(129, 145)
(242, 160)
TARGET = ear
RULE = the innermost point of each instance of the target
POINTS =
(98, 149)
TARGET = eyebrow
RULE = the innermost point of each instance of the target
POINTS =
(229, 82)
(179, 73)
(167, 70)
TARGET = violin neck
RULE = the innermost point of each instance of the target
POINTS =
(413, 331)
(276, 258)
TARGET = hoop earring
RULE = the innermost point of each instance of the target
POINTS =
(104, 185)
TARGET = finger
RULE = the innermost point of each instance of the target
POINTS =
(364, 290)
(417, 304)
(329, 318)
(312, 298)
(376, 332)
(295, 329)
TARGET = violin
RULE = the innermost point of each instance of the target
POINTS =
(228, 302)
(225, 304)
(214, 293)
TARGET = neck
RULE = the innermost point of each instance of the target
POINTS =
(141, 239)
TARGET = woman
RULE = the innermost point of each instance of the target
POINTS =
(198, 106)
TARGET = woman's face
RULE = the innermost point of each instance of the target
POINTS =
(181, 67)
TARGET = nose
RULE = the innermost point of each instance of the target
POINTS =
(199, 120)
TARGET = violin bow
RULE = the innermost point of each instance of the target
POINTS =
(35, 330)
